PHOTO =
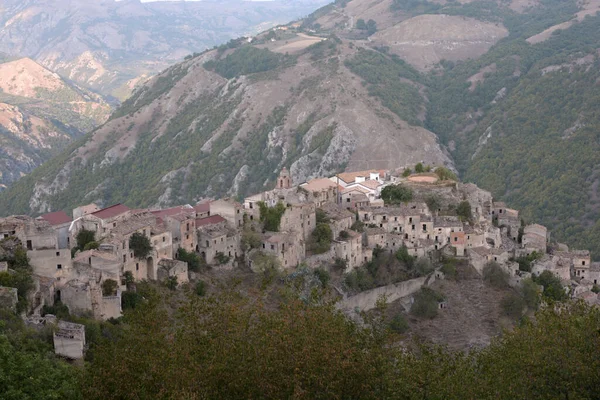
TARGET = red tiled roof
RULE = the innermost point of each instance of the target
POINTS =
(168, 212)
(56, 218)
(111, 211)
(202, 207)
(215, 219)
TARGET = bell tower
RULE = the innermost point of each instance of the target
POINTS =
(284, 181)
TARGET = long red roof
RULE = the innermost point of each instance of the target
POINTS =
(111, 211)
(56, 218)
(215, 219)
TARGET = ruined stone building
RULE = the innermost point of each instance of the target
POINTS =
(218, 242)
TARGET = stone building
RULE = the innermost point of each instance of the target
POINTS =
(181, 222)
(458, 240)
(229, 209)
(374, 237)
(69, 340)
(443, 227)
(289, 247)
(101, 222)
(535, 238)
(85, 210)
(351, 250)
(323, 191)
(173, 268)
(339, 218)
(218, 243)
(60, 222)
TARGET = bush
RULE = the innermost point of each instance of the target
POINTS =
(596, 289)
(91, 245)
(399, 324)
(201, 288)
(419, 169)
(340, 264)
(171, 282)
(526, 262)
(130, 300)
(59, 310)
(424, 266)
(140, 244)
(495, 276)
(433, 203)
(403, 256)
(512, 305)
(84, 237)
(109, 287)
(323, 276)
(221, 258)
(449, 268)
(321, 216)
(426, 303)
(344, 235)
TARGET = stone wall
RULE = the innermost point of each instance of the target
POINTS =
(367, 300)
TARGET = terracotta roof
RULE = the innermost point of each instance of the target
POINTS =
(202, 207)
(169, 212)
(318, 184)
(111, 211)
(369, 184)
(214, 219)
(56, 218)
(350, 177)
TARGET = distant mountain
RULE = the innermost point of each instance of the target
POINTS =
(107, 45)
(510, 89)
(39, 114)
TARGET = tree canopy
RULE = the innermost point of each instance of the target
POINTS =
(396, 194)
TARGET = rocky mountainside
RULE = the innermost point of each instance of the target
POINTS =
(110, 46)
(508, 88)
(40, 113)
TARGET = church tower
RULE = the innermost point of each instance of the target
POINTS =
(284, 181)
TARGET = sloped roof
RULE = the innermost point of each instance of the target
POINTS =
(202, 207)
(214, 219)
(111, 211)
(350, 177)
(318, 184)
(56, 218)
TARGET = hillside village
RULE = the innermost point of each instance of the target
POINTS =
(277, 229)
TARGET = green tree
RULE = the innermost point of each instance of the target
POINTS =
(361, 24)
(398, 324)
(553, 288)
(495, 276)
(321, 238)
(140, 244)
(371, 27)
(445, 174)
(396, 194)
(406, 173)
(93, 245)
(84, 237)
(463, 210)
(426, 303)
(200, 288)
(419, 169)
(512, 305)
(271, 216)
(194, 261)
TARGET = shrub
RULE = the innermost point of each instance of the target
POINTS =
(426, 303)
(419, 169)
(321, 216)
(200, 288)
(596, 289)
(109, 287)
(406, 173)
(433, 203)
(130, 300)
(344, 235)
(512, 305)
(59, 310)
(358, 226)
(449, 268)
(495, 276)
(323, 276)
(91, 245)
(221, 258)
(340, 264)
(403, 256)
(423, 266)
(399, 324)
(526, 262)
(140, 244)
(171, 282)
